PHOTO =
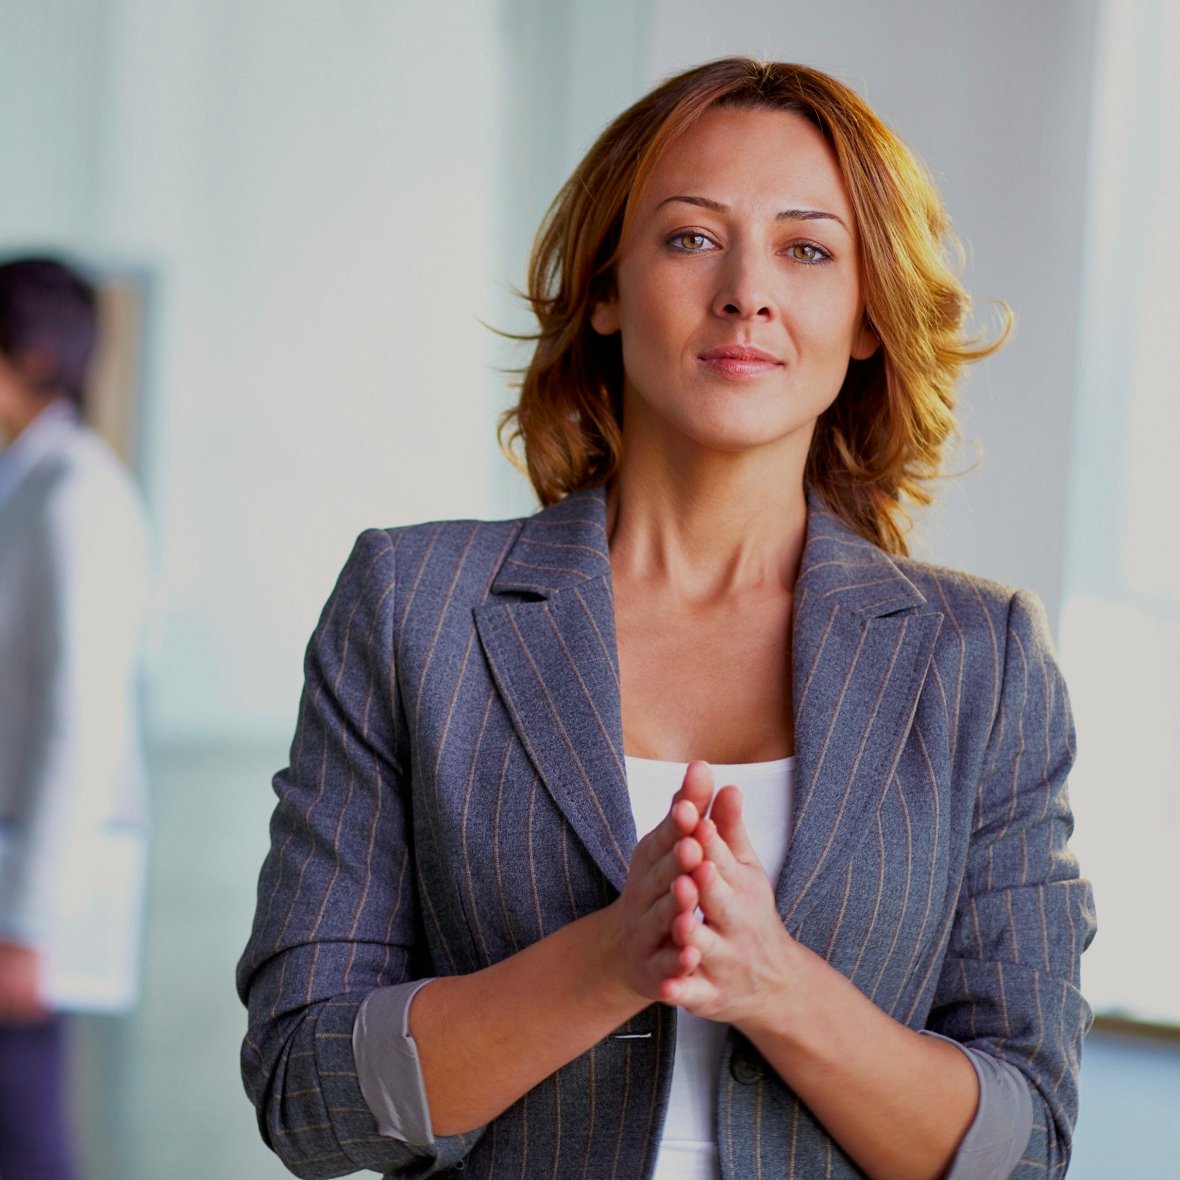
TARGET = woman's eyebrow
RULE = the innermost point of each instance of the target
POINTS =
(703, 202)
(785, 215)
(809, 215)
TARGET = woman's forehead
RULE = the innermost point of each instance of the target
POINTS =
(739, 156)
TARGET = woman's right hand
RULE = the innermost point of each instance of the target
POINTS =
(486, 1038)
(642, 916)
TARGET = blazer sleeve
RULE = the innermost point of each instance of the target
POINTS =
(337, 913)
(1009, 986)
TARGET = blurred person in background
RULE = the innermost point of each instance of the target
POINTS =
(73, 590)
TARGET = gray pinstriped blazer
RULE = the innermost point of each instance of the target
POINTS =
(457, 790)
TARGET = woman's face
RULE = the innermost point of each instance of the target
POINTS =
(738, 297)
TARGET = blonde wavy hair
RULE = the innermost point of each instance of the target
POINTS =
(881, 442)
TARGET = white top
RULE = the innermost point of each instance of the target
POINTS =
(688, 1146)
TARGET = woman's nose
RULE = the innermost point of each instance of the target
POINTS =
(744, 291)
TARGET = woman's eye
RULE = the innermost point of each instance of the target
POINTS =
(807, 252)
(690, 242)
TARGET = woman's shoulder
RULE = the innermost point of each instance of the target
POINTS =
(430, 562)
(476, 549)
(994, 613)
(969, 602)
(440, 538)
(437, 551)
(956, 587)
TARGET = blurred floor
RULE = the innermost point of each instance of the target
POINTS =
(161, 1095)
(178, 1108)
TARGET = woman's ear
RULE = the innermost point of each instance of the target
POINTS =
(866, 342)
(604, 316)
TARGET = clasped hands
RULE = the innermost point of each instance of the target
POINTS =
(697, 916)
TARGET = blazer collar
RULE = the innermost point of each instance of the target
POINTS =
(566, 544)
(862, 642)
(840, 567)
(559, 548)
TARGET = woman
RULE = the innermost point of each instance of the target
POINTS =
(462, 958)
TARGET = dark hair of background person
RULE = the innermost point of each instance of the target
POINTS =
(883, 439)
(48, 310)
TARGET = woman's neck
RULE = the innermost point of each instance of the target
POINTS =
(707, 525)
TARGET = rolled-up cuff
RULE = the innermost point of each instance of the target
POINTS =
(999, 1133)
(387, 1064)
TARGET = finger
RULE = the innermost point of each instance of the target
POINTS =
(682, 898)
(683, 857)
(685, 894)
(684, 927)
(697, 786)
(715, 893)
(682, 967)
(690, 990)
(654, 926)
(716, 850)
(688, 853)
(671, 989)
(731, 826)
(648, 886)
(680, 821)
(689, 931)
(687, 915)
(684, 817)
(674, 962)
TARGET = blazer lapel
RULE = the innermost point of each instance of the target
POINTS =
(863, 638)
(548, 633)
(861, 648)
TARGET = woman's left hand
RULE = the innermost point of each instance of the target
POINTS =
(746, 956)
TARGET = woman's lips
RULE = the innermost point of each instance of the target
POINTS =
(739, 360)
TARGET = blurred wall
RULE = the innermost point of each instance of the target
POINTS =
(315, 189)
(52, 62)
(1120, 629)
(309, 188)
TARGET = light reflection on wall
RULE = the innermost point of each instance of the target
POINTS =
(1120, 633)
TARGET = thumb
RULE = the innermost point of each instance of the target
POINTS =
(697, 786)
(731, 826)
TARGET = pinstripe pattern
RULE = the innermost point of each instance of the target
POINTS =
(457, 790)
